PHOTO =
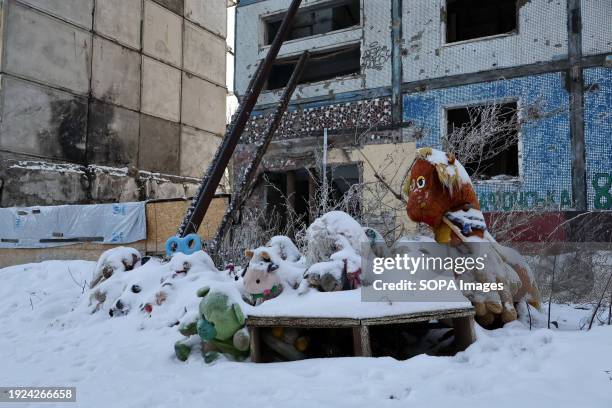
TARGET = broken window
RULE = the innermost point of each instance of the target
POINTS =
(308, 22)
(321, 66)
(298, 191)
(485, 139)
(469, 19)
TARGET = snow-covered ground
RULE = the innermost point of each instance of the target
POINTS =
(46, 340)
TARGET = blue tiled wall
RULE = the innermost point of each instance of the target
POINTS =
(598, 137)
(545, 175)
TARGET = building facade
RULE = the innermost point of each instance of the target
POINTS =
(404, 72)
(109, 100)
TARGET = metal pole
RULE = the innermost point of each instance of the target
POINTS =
(325, 185)
(212, 178)
(244, 186)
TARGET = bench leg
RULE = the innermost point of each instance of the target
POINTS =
(464, 332)
(361, 341)
(255, 343)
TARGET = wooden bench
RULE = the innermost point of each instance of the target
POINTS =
(461, 319)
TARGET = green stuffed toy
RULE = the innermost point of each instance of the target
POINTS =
(219, 329)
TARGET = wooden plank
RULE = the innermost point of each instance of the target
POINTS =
(419, 317)
(330, 322)
(163, 217)
(302, 322)
(255, 344)
(356, 332)
(361, 341)
(464, 332)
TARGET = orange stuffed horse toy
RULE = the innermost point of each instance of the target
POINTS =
(441, 195)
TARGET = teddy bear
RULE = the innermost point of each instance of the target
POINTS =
(441, 195)
(219, 328)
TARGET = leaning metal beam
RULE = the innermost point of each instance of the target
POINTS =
(214, 173)
(244, 185)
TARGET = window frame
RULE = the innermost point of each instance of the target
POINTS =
(520, 178)
(265, 42)
(332, 49)
(444, 34)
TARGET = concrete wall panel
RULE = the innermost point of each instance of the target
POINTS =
(75, 11)
(159, 145)
(113, 186)
(161, 89)
(115, 74)
(197, 151)
(204, 54)
(42, 121)
(119, 20)
(44, 49)
(176, 6)
(210, 14)
(24, 187)
(162, 35)
(393, 160)
(112, 135)
(200, 104)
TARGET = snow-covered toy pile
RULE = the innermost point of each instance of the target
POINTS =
(213, 322)
(161, 291)
(441, 195)
(210, 307)
(332, 260)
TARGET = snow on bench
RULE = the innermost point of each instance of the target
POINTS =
(346, 310)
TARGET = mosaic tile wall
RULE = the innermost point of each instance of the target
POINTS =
(598, 137)
(545, 162)
(427, 55)
(296, 123)
(596, 27)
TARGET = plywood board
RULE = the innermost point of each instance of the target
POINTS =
(164, 218)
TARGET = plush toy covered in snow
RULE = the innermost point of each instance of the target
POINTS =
(114, 262)
(261, 281)
(270, 269)
(441, 195)
(333, 257)
(119, 259)
(218, 329)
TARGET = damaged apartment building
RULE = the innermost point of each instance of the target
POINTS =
(109, 100)
(388, 76)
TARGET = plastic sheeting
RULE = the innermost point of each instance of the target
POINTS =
(43, 227)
